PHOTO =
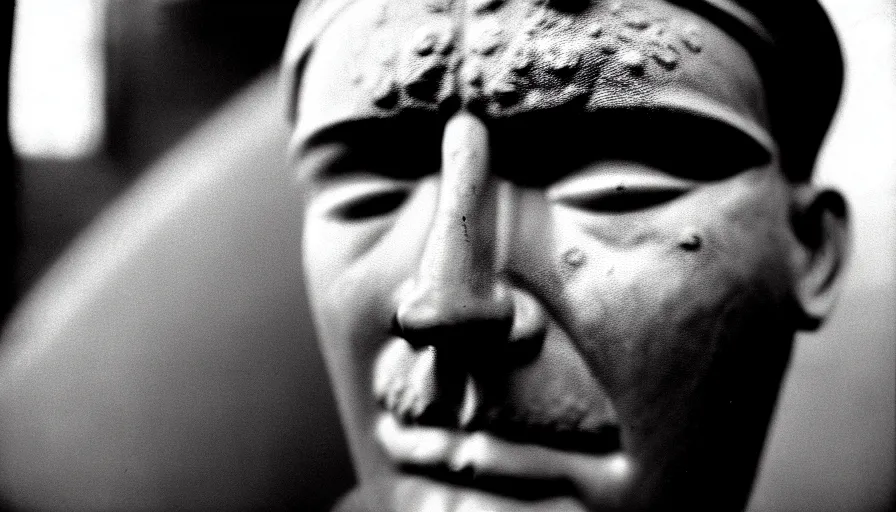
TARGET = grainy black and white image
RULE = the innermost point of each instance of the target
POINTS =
(449, 255)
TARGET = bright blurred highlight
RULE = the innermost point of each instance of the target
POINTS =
(57, 92)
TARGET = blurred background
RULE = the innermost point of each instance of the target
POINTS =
(101, 88)
(157, 352)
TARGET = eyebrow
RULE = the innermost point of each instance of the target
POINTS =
(353, 128)
(679, 143)
(648, 134)
(415, 129)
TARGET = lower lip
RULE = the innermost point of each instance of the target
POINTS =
(600, 481)
(416, 494)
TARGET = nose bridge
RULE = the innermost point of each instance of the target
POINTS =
(460, 249)
(456, 283)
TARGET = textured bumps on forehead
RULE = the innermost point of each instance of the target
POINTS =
(499, 58)
(503, 56)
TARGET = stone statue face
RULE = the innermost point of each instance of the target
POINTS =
(552, 256)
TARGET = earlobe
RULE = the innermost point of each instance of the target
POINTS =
(821, 225)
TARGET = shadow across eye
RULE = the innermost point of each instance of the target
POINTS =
(369, 206)
(620, 200)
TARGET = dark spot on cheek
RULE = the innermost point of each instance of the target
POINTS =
(692, 39)
(690, 241)
(574, 258)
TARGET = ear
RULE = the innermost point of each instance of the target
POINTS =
(821, 225)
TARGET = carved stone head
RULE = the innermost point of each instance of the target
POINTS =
(557, 251)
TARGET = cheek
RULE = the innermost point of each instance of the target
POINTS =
(648, 296)
(353, 271)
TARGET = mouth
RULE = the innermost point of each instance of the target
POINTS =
(483, 461)
(596, 437)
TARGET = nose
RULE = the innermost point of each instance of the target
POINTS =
(456, 300)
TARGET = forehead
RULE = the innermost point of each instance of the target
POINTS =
(381, 58)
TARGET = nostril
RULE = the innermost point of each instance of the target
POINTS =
(453, 319)
(458, 335)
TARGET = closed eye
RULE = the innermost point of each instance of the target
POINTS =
(371, 206)
(361, 201)
(612, 188)
(624, 201)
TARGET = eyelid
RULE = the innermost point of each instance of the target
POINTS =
(337, 196)
(613, 179)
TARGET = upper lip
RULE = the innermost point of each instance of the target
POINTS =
(576, 431)
(547, 405)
